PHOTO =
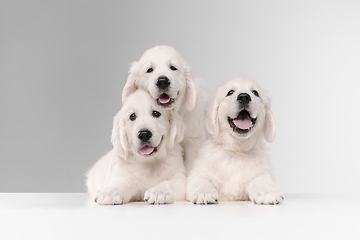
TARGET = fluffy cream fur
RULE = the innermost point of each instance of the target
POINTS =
(188, 97)
(234, 165)
(124, 174)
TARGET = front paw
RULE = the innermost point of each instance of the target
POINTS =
(158, 195)
(205, 196)
(110, 196)
(270, 196)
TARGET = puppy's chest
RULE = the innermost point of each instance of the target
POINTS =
(233, 176)
(151, 175)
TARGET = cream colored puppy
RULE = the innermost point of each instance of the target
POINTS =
(146, 162)
(234, 163)
(163, 73)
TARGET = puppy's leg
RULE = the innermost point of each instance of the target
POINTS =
(167, 191)
(116, 189)
(263, 190)
(115, 193)
(200, 191)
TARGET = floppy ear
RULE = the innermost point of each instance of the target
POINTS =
(212, 117)
(176, 128)
(118, 137)
(269, 126)
(190, 94)
(130, 86)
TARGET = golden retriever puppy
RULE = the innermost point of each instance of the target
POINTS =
(146, 162)
(234, 163)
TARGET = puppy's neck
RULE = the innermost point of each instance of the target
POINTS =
(240, 146)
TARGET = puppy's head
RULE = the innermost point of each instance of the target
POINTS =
(144, 129)
(165, 75)
(242, 109)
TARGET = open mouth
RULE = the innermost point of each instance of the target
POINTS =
(165, 100)
(148, 150)
(243, 123)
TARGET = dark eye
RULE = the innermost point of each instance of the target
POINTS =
(230, 92)
(132, 117)
(156, 114)
(173, 68)
(149, 70)
(255, 93)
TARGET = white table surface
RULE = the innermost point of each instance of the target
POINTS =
(75, 216)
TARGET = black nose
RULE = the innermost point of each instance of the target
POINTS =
(163, 82)
(244, 98)
(144, 135)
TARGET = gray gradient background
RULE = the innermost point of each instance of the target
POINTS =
(63, 65)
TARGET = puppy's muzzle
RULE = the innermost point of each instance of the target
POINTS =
(144, 135)
(163, 82)
(164, 100)
(244, 99)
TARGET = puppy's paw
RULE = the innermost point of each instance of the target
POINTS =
(205, 196)
(110, 196)
(270, 196)
(158, 195)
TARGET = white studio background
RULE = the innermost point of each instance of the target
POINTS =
(63, 65)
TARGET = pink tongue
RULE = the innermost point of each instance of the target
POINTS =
(243, 122)
(164, 98)
(146, 150)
